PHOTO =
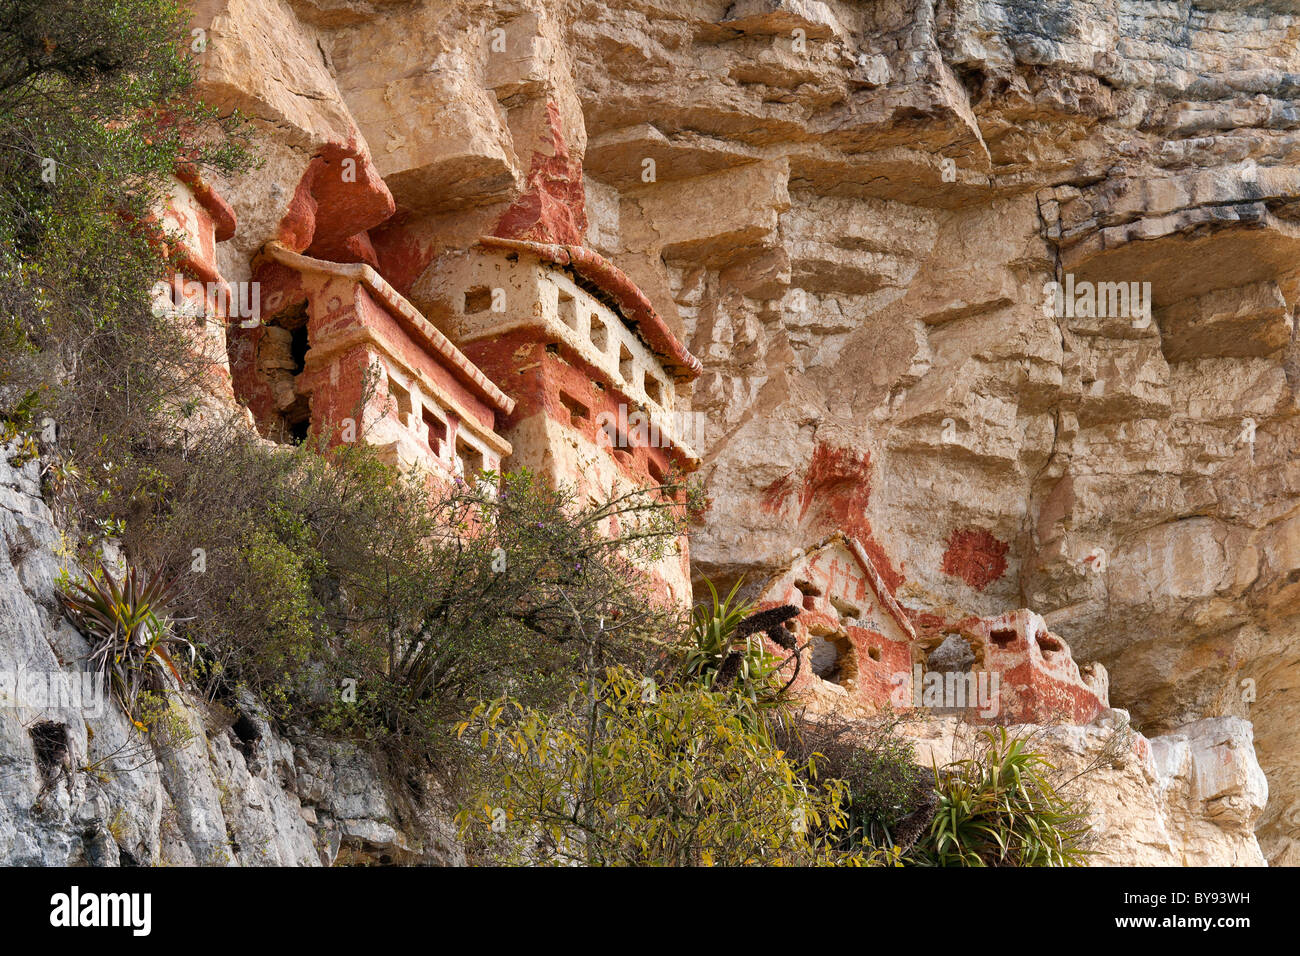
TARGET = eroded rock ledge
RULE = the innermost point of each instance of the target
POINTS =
(849, 212)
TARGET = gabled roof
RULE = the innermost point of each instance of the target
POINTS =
(631, 303)
(422, 331)
(877, 583)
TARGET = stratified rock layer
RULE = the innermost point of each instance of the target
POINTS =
(850, 212)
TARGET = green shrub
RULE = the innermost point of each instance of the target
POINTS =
(1001, 808)
(629, 773)
(95, 113)
(884, 784)
(344, 595)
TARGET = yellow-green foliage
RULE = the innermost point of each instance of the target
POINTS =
(629, 773)
(346, 596)
(160, 716)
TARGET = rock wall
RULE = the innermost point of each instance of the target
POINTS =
(851, 212)
(1191, 798)
(218, 785)
(213, 786)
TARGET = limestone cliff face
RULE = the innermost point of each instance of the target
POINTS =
(851, 212)
(220, 786)
(1186, 799)
(212, 786)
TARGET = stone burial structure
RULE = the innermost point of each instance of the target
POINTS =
(857, 267)
(861, 649)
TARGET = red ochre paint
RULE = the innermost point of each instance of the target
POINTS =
(975, 556)
(834, 495)
(552, 207)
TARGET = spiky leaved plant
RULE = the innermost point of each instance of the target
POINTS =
(1002, 808)
(129, 630)
(727, 653)
(712, 627)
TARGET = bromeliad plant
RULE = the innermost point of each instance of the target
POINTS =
(1001, 808)
(726, 651)
(713, 627)
(130, 632)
